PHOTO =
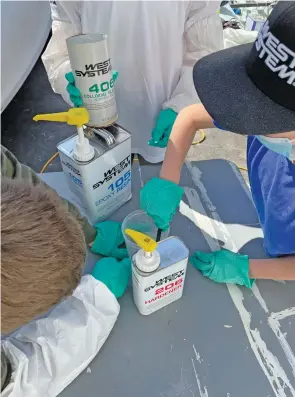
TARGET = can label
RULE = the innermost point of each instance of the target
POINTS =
(153, 292)
(101, 186)
(91, 65)
(96, 85)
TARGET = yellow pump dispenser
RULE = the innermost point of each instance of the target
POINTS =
(76, 116)
(142, 240)
(147, 259)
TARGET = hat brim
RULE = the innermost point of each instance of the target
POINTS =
(232, 99)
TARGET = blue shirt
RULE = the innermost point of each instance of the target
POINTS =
(272, 180)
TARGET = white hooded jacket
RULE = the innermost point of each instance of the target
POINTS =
(47, 354)
(153, 45)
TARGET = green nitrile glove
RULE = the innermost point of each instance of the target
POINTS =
(114, 274)
(108, 240)
(115, 74)
(223, 267)
(75, 94)
(160, 199)
(163, 128)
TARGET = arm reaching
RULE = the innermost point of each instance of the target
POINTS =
(161, 197)
(233, 268)
(273, 268)
(189, 120)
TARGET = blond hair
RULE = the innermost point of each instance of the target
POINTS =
(42, 252)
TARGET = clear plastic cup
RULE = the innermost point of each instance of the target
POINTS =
(141, 222)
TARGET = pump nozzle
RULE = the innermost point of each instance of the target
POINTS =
(75, 116)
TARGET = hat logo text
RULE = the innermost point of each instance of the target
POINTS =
(278, 57)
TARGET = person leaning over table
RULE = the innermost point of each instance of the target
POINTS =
(249, 90)
(153, 45)
(47, 305)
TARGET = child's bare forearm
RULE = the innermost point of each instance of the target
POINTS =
(273, 269)
(189, 120)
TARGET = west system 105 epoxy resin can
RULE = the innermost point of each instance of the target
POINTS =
(158, 271)
(92, 69)
(103, 184)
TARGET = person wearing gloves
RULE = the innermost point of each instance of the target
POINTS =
(43, 251)
(153, 45)
(95, 236)
(253, 94)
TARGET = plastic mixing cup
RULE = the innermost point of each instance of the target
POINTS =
(141, 222)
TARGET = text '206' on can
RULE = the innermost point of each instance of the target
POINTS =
(153, 290)
(92, 69)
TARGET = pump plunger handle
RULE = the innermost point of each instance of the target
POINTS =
(74, 116)
(142, 240)
(59, 117)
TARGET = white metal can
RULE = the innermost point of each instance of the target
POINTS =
(91, 66)
(152, 291)
(102, 185)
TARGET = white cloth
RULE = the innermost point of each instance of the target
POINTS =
(48, 354)
(233, 37)
(153, 45)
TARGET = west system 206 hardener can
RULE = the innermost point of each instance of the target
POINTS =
(91, 66)
(157, 276)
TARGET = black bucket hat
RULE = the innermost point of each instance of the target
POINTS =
(250, 89)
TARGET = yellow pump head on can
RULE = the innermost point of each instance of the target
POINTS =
(76, 116)
(147, 259)
(142, 240)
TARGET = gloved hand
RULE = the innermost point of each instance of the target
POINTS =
(114, 274)
(163, 128)
(160, 199)
(223, 267)
(75, 94)
(108, 239)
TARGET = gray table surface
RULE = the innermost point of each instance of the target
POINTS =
(218, 340)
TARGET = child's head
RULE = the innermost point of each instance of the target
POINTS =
(43, 252)
(250, 89)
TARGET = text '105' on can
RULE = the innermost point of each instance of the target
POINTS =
(92, 69)
(103, 184)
